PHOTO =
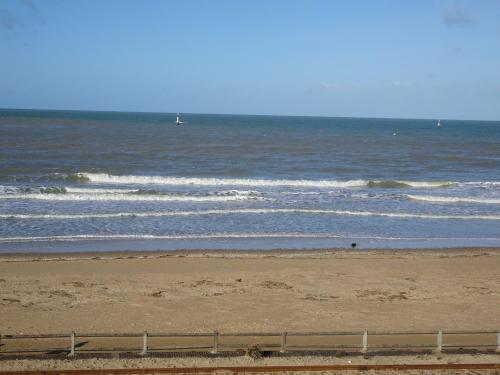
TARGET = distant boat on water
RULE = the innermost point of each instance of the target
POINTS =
(439, 124)
(178, 120)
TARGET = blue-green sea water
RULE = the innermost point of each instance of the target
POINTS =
(79, 181)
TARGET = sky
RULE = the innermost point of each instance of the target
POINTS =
(354, 58)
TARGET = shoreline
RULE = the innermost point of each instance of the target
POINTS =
(149, 254)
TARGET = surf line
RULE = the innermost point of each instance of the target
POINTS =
(256, 211)
(103, 237)
(103, 178)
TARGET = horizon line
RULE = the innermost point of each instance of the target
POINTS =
(241, 114)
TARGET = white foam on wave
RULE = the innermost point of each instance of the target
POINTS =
(126, 197)
(146, 180)
(442, 199)
(104, 178)
(483, 184)
(62, 190)
(10, 190)
(237, 192)
(96, 237)
(259, 211)
(99, 191)
(221, 236)
(427, 184)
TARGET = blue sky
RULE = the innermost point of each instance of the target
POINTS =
(398, 58)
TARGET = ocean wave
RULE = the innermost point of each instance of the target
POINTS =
(72, 177)
(236, 192)
(145, 180)
(441, 199)
(100, 191)
(481, 184)
(391, 184)
(103, 178)
(125, 197)
(96, 237)
(90, 190)
(258, 211)
(251, 235)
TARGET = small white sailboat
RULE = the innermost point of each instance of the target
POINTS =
(439, 124)
(178, 120)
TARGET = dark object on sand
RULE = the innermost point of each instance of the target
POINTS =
(353, 245)
(254, 352)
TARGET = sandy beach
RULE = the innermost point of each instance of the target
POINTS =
(335, 290)
(251, 291)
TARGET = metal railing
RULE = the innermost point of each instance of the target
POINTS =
(215, 342)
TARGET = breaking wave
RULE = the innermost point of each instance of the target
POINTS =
(440, 199)
(390, 184)
(258, 211)
(104, 237)
(125, 197)
(100, 191)
(94, 191)
(72, 177)
(103, 178)
(97, 237)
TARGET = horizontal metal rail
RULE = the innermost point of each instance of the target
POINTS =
(42, 336)
(468, 333)
(325, 333)
(215, 342)
(105, 335)
(174, 348)
(179, 334)
(401, 333)
(264, 334)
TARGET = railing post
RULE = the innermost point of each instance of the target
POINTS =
(215, 348)
(439, 341)
(72, 347)
(365, 342)
(498, 341)
(144, 343)
(283, 342)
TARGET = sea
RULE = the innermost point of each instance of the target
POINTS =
(110, 181)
